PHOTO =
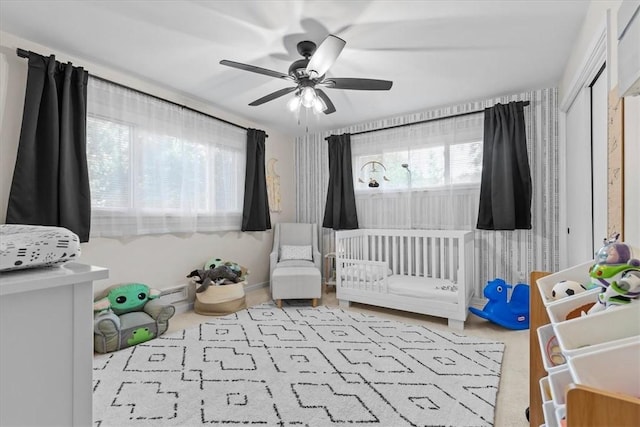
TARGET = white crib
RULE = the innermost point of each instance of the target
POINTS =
(421, 271)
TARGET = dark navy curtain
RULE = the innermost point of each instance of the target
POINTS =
(505, 189)
(50, 181)
(255, 213)
(340, 209)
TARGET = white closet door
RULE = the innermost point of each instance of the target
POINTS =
(578, 181)
(586, 171)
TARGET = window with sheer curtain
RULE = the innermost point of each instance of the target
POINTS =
(421, 176)
(155, 167)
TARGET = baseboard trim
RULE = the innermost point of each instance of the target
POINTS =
(256, 286)
(183, 307)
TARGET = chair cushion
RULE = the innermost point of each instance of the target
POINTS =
(289, 252)
(296, 282)
(295, 263)
(296, 233)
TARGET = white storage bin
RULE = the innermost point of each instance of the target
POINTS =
(545, 389)
(548, 410)
(558, 382)
(595, 331)
(615, 368)
(545, 335)
(559, 309)
(561, 414)
(578, 273)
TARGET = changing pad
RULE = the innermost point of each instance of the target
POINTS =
(27, 246)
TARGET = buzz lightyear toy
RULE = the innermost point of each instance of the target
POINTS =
(617, 272)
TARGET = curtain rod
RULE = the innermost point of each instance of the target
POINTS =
(25, 54)
(525, 103)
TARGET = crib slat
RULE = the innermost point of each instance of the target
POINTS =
(434, 254)
(416, 256)
(386, 250)
(425, 254)
(443, 253)
(402, 244)
(409, 257)
(451, 258)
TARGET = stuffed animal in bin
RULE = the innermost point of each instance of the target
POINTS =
(618, 293)
(220, 275)
(616, 273)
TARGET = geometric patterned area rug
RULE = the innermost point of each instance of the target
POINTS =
(300, 366)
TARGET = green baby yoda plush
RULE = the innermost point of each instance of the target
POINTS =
(126, 298)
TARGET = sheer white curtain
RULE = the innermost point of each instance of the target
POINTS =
(155, 167)
(427, 175)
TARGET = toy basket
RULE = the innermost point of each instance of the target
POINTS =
(220, 300)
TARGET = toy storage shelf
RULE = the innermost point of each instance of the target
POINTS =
(46, 344)
(585, 406)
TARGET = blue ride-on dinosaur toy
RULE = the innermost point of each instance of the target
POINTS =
(512, 313)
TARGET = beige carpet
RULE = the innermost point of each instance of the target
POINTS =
(513, 394)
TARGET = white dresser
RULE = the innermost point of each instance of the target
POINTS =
(46, 345)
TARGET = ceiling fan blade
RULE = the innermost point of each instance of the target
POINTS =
(272, 96)
(330, 107)
(325, 55)
(357, 84)
(255, 69)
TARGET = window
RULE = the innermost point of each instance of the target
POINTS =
(428, 174)
(434, 157)
(155, 167)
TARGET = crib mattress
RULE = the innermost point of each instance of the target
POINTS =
(423, 287)
(28, 246)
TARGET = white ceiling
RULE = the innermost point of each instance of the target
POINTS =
(437, 53)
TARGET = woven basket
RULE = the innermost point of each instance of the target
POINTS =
(221, 300)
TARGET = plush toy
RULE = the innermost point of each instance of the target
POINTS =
(128, 314)
(619, 292)
(615, 273)
(217, 262)
(126, 298)
(220, 275)
(612, 260)
(566, 288)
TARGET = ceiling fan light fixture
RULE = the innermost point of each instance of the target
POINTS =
(294, 103)
(308, 96)
(318, 105)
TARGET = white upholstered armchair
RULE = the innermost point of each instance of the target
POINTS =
(295, 263)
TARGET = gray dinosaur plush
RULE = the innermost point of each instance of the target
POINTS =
(221, 275)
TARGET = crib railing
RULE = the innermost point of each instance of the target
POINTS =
(362, 274)
(425, 253)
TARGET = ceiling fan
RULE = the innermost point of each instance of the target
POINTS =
(309, 75)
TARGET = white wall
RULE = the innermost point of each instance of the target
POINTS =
(596, 19)
(159, 261)
(603, 15)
